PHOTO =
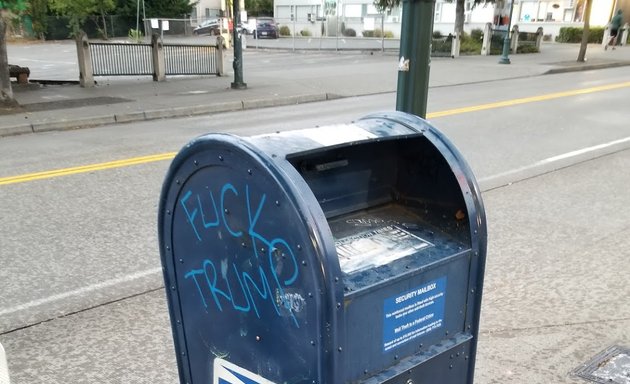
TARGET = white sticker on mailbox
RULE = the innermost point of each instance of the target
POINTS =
(228, 373)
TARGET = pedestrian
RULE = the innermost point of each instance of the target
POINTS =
(615, 25)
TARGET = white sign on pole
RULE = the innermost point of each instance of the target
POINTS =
(368, 24)
(155, 24)
(165, 25)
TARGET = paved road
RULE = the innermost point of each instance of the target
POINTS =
(555, 242)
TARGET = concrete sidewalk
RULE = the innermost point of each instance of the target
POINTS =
(338, 74)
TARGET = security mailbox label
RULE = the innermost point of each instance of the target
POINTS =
(228, 373)
(377, 247)
(413, 314)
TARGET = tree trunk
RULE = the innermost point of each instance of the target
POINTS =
(6, 93)
(459, 16)
(587, 16)
(104, 25)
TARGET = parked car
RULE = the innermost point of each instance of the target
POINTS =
(266, 27)
(248, 27)
(208, 27)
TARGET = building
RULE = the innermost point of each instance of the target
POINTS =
(335, 17)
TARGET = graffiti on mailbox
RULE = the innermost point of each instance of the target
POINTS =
(270, 268)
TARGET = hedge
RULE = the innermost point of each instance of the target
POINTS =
(574, 35)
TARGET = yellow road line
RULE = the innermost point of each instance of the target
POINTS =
(85, 168)
(526, 100)
(167, 156)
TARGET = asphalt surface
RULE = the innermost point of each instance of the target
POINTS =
(553, 298)
(273, 78)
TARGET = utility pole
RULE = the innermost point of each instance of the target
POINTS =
(238, 47)
(415, 56)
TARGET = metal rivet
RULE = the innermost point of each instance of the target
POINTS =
(312, 342)
(336, 279)
(299, 247)
(446, 332)
(249, 171)
(227, 211)
(395, 357)
(338, 305)
(173, 287)
(168, 248)
(181, 260)
(257, 338)
(177, 181)
(183, 353)
(310, 294)
(221, 158)
(277, 203)
(450, 366)
(243, 245)
(339, 349)
(304, 263)
(196, 162)
(262, 250)
(168, 211)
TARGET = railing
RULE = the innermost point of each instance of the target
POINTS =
(155, 59)
(520, 42)
(190, 59)
(121, 59)
(442, 46)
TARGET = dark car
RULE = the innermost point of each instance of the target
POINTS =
(208, 27)
(266, 27)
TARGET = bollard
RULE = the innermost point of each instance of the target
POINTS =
(539, 38)
(220, 58)
(624, 35)
(606, 36)
(514, 42)
(487, 39)
(86, 75)
(157, 52)
(456, 45)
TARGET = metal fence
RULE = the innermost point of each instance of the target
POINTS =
(442, 46)
(121, 59)
(128, 59)
(527, 42)
(190, 59)
(496, 41)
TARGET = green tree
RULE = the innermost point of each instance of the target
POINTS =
(7, 7)
(38, 10)
(77, 11)
(383, 5)
(259, 7)
(168, 8)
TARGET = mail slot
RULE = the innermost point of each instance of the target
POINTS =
(351, 253)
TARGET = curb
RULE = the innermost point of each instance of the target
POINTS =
(131, 117)
(586, 67)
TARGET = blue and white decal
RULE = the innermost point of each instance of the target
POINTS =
(413, 314)
(228, 373)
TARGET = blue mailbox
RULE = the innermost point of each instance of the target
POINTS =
(342, 254)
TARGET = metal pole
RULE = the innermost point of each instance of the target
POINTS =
(238, 48)
(415, 56)
(506, 42)
(382, 32)
(137, 15)
(294, 31)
